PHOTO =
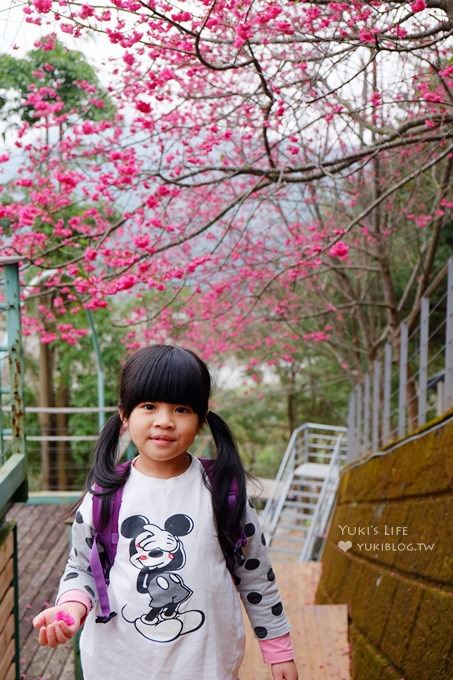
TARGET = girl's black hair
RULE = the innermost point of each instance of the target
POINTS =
(177, 376)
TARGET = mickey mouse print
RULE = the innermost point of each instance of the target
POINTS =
(158, 553)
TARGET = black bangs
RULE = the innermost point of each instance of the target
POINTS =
(165, 373)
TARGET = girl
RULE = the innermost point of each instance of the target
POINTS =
(172, 587)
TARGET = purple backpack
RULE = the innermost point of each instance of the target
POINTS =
(105, 541)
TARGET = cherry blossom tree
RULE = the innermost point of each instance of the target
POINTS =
(264, 159)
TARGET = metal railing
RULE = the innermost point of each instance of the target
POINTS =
(309, 443)
(314, 540)
(71, 447)
(12, 433)
(401, 393)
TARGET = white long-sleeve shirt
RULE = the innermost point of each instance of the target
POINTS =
(178, 612)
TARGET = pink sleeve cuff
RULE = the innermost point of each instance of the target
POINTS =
(277, 650)
(76, 596)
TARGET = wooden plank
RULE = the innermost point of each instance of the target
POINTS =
(34, 531)
(57, 662)
(6, 661)
(26, 518)
(319, 632)
(322, 650)
(67, 672)
(297, 584)
(6, 605)
(6, 578)
(46, 591)
(6, 550)
(43, 551)
(6, 635)
(45, 571)
(338, 628)
(11, 673)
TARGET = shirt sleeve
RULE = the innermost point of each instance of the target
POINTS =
(277, 650)
(255, 582)
(77, 574)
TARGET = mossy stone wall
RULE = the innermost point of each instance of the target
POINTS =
(389, 557)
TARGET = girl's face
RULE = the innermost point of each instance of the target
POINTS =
(162, 433)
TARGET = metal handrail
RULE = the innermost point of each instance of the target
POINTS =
(268, 514)
(12, 437)
(324, 504)
(285, 474)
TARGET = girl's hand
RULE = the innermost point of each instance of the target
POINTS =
(284, 671)
(57, 625)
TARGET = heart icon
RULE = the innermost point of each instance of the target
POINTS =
(344, 545)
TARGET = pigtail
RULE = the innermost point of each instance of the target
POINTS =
(104, 473)
(228, 474)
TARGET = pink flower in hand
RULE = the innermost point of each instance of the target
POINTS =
(65, 617)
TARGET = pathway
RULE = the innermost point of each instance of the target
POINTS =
(319, 632)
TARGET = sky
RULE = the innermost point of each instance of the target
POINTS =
(18, 37)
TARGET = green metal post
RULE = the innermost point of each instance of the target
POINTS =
(15, 358)
(16, 604)
(2, 452)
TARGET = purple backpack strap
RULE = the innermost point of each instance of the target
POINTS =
(105, 542)
(241, 538)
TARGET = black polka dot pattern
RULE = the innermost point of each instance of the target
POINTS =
(249, 529)
(90, 591)
(254, 598)
(89, 542)
(251, 564)
(277, 609)
(260, 632)
(70, 576)
(236, 579)
(270, 575)
(240, 558)
(263, 539)
(78, 517)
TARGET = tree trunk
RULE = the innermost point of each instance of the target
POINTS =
(47, 420)
(291, 405)
(63, 453)
(291, 401)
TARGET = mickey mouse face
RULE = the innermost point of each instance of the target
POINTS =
(155, 548)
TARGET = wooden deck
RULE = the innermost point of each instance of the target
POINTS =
(319, 632)
(43, 551)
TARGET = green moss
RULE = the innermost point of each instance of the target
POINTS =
(418, 467)
(322, 597)
(342, 490)
(403, 611)
(366, 482)
(334, 572)
(427, 526)
(390, 673)
(372, 603)
(427, 655)
(350, 587)
(366, 662)
(404, 622)
(351, 523)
